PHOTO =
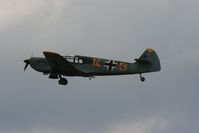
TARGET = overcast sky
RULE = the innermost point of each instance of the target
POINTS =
(119, 29)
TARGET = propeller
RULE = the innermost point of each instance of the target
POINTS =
(27, 61)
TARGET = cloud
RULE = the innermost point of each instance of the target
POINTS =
(49, 131)
(15, 10)
(39, 130)
(146, 125)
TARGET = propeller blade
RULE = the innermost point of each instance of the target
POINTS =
(27, 63)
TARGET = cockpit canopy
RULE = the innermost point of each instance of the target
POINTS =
(74, 59)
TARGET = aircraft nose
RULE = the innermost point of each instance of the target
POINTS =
(27, 61)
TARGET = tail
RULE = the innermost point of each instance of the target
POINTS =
(148, 62)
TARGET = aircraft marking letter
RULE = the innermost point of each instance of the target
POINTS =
(96, 62)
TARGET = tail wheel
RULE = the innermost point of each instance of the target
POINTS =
(142, 78)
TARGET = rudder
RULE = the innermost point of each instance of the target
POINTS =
(148, 62)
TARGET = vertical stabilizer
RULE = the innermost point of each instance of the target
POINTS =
(148, 62)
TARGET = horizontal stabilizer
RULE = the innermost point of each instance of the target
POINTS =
(142, 61)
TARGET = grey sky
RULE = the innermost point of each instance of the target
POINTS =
(119, 29)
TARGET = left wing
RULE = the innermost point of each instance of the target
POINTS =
(58, 63)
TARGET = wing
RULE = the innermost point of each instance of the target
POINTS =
(59, 64)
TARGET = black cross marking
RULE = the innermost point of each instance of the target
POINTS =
(110, 65)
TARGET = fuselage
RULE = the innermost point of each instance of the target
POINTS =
(57, 66)
(89, 66)
(40, 64)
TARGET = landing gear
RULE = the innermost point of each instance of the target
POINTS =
(62, 81)
(91, 77)
(142, 78)
(53, 76)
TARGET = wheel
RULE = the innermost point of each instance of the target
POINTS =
(63, 81)
(142, 79)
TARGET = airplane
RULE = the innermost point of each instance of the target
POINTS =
(57, 66)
